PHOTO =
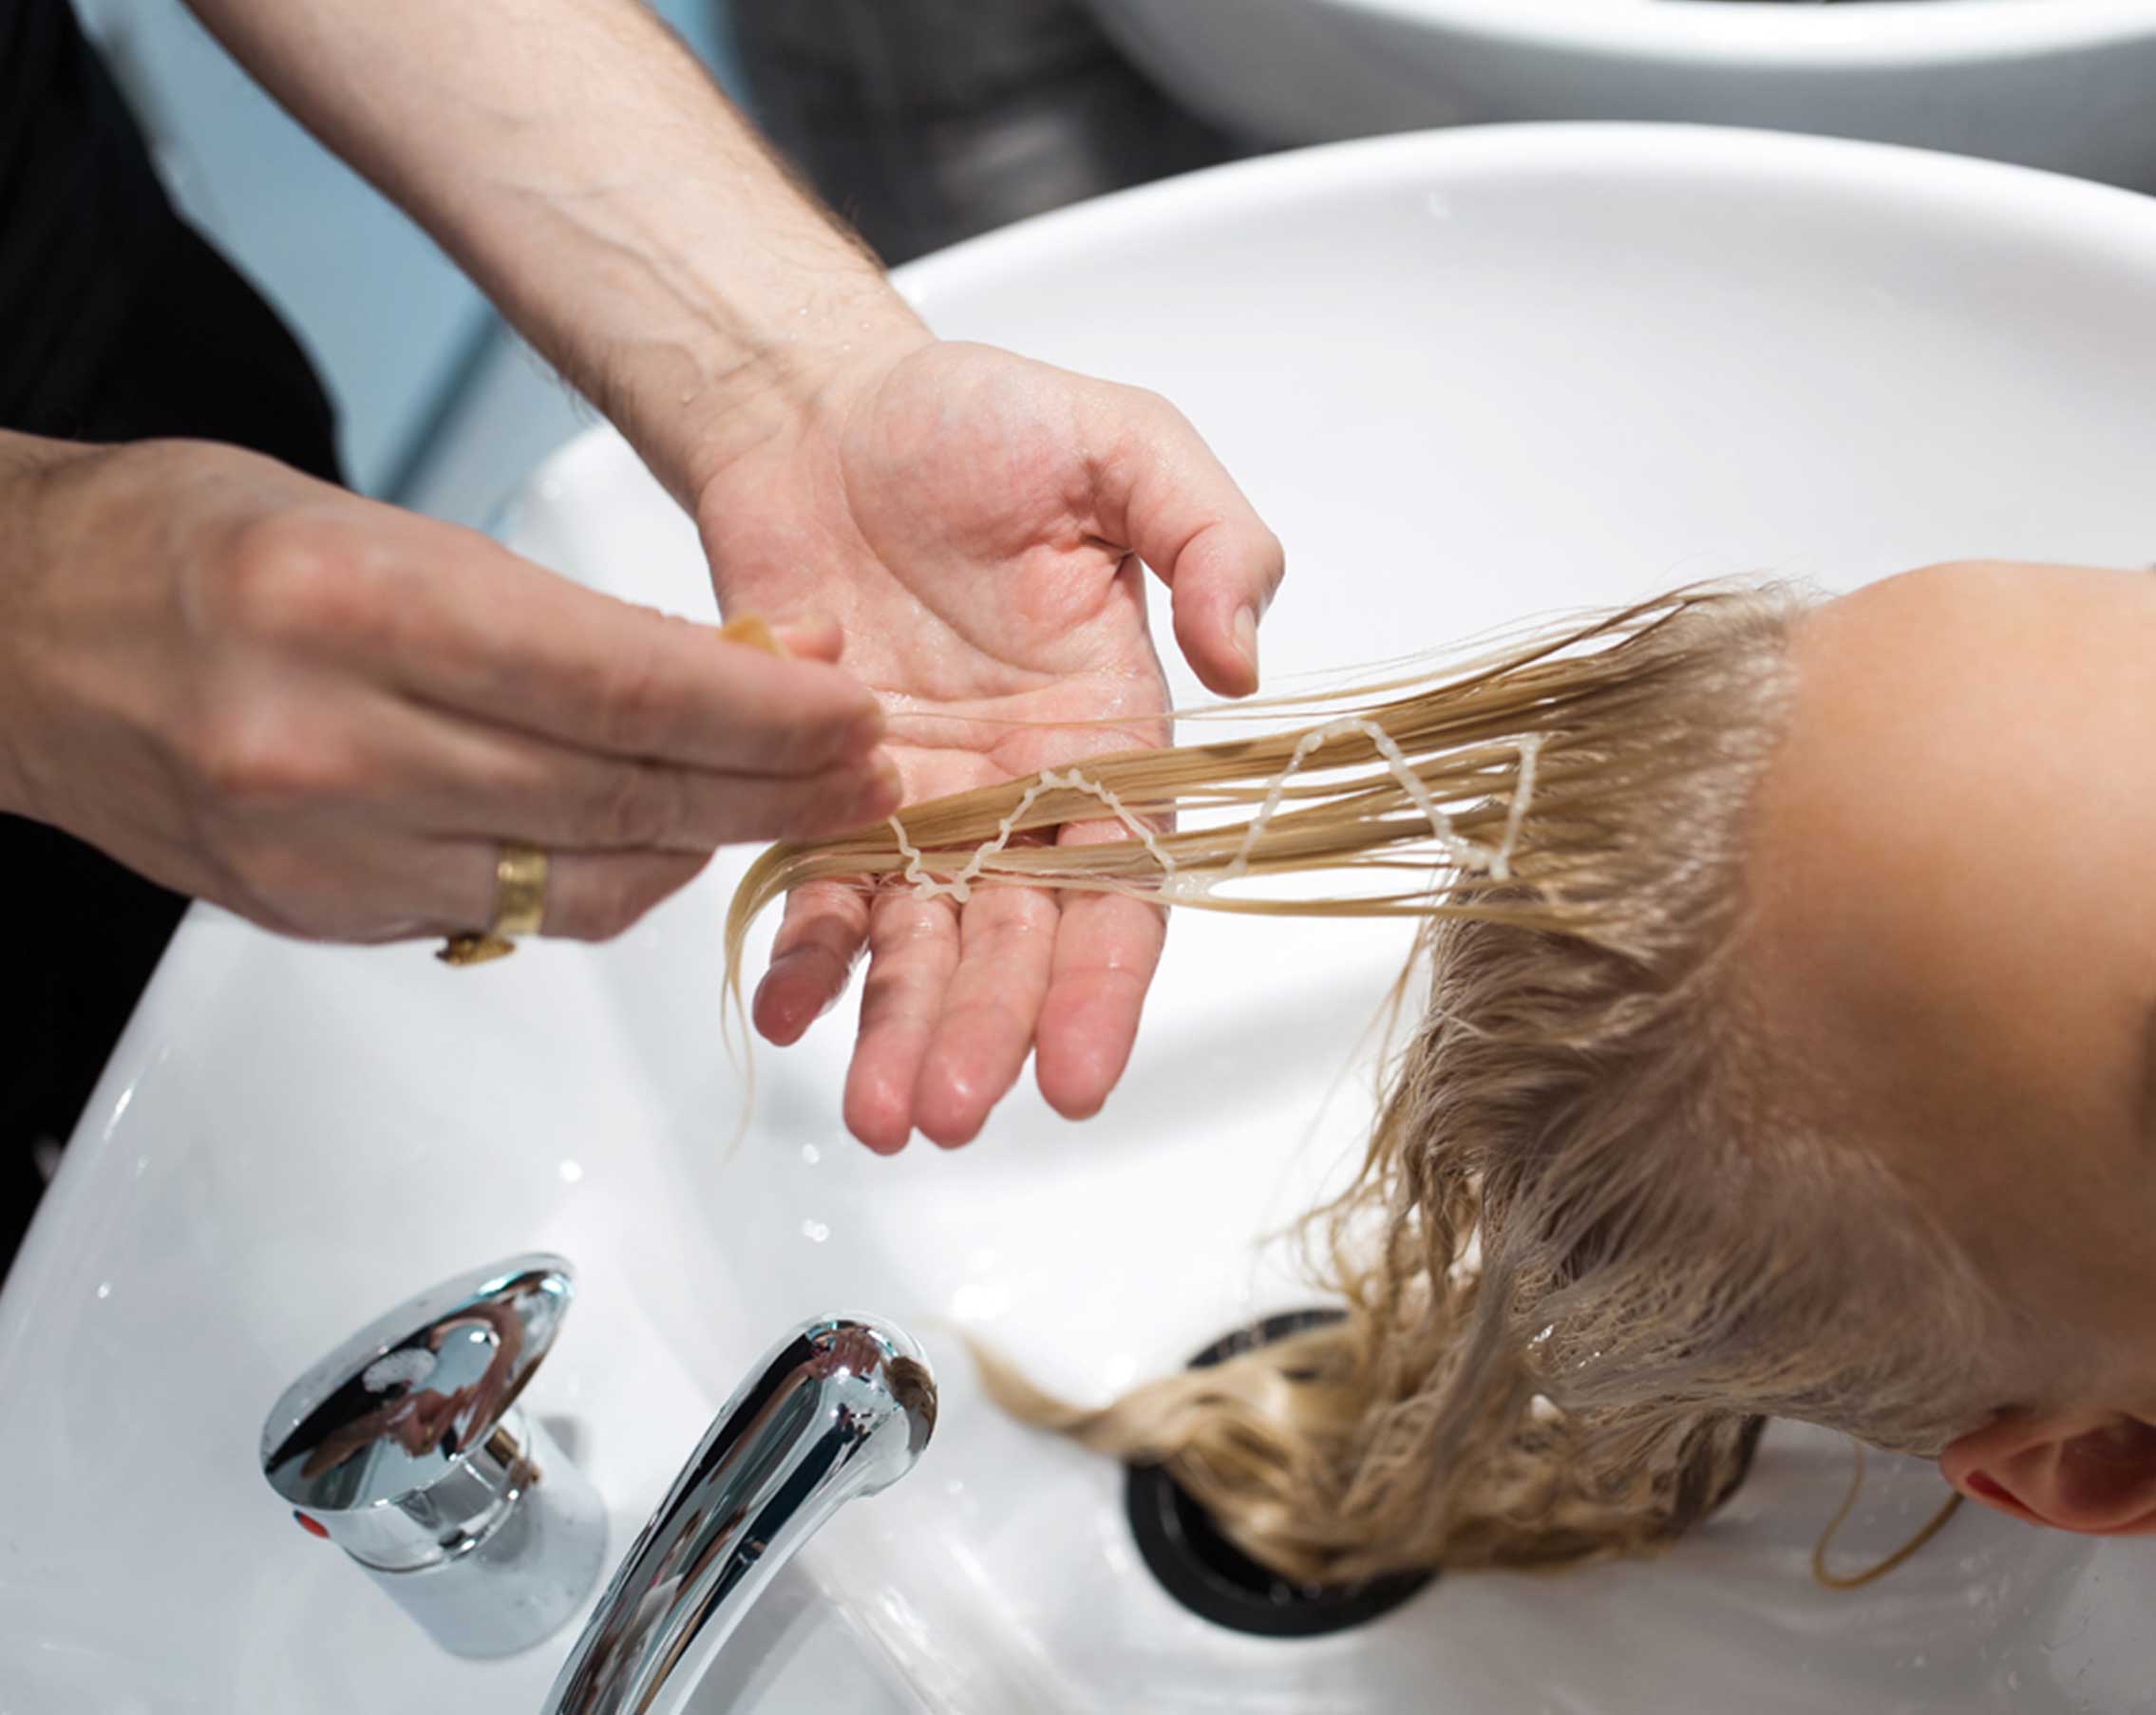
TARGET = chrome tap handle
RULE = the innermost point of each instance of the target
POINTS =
(840, 1408)
(407, 1448)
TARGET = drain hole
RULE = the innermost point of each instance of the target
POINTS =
(1208, 1575)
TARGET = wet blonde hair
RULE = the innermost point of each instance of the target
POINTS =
(1597, 1236)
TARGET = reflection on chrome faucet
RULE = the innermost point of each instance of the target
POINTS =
(841, 1407)
(420, 1416)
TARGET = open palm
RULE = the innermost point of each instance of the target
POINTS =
(976, 523)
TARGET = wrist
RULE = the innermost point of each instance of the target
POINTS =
(695, 415)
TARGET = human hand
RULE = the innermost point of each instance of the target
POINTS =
(976, 521)
(326, 714)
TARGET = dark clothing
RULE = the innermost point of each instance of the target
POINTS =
(924, 121)
(117, 322)
(76, 190)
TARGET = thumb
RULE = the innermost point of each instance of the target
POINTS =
(1164, 497)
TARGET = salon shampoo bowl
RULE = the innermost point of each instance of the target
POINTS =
(1470, 376)
(2067, 84)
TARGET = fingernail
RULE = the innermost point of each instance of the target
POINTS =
(1246, 636)
(751, 630)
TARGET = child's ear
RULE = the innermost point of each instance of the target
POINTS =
(2092, 1472)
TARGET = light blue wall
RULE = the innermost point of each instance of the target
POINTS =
(395, 328)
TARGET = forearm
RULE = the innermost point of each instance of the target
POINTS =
(577, 162)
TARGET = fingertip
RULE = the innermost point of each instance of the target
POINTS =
(876, 1116)
(949, 1112)
(1075, 1106)
(867, 726)
(812, 638)
(802, 985)
(1234, 676)
(887, 786)
(1221, 669)
(779, 1010)
(1076, 1083)
(877, 1133)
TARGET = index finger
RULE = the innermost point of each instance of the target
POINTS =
(499, 637)
(1107, 947)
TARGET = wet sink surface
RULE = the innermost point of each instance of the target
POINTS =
(1467, 378)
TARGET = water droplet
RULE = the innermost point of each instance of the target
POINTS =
(1918, 1661)
(104, 1289)
(815, 1232)
(571, 1172)
(810, 1154)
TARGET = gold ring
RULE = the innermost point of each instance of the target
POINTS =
(520, 907)
(519, 890)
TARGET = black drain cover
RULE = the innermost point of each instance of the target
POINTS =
(1208, 1575)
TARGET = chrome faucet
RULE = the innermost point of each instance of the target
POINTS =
(840, 1408)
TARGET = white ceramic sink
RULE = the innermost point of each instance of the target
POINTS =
(1468, 377)
(2059, 83)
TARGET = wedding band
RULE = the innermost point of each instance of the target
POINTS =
(519, 890)
(520, 907)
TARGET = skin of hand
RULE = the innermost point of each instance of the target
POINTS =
(975, 521)
(1955, 938)
(326, 714)
(979, 525)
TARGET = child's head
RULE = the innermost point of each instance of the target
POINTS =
(1793, 1060)
(1952, 953)
(1847, 1112)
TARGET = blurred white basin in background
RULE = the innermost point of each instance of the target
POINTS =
(2069, 84)
(1468, 377)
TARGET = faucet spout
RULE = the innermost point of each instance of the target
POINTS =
(837, 1408)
